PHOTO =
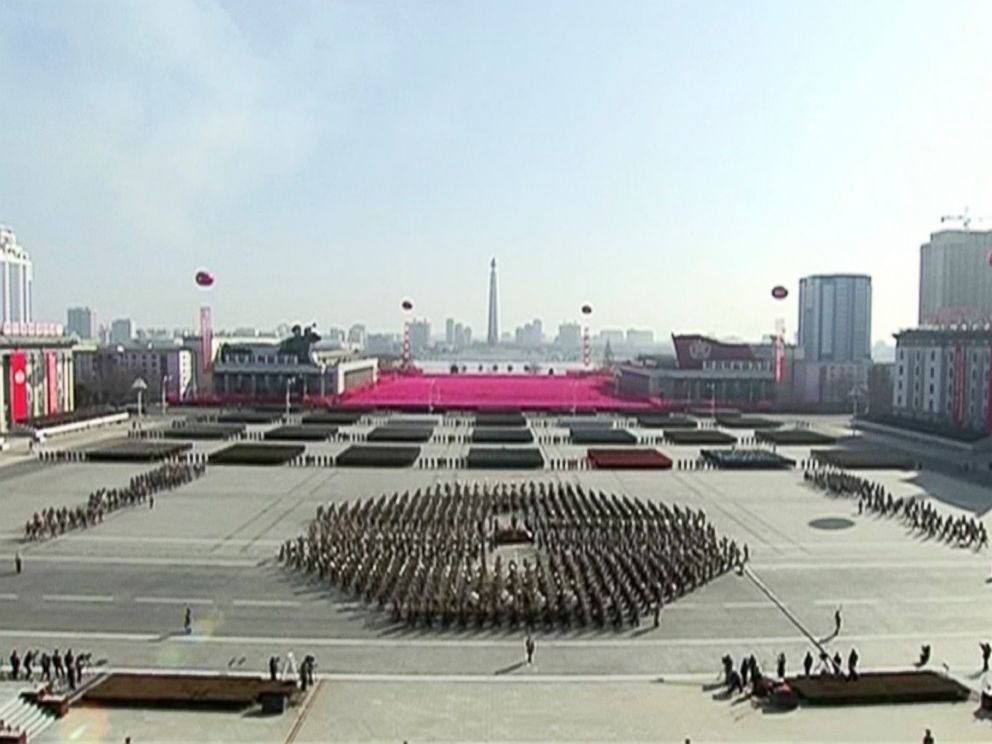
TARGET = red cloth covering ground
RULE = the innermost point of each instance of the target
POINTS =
(594, 392)
(620, 459)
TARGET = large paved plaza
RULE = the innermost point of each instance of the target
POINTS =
(120, 589)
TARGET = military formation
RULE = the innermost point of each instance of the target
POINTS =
(52, 522)
(924, 518)
(581, 558)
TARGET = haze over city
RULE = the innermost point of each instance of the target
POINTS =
(667, 164)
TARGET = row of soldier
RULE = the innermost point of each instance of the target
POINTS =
(51, 522)
(923, 516)
(425, 556)
(56, 668)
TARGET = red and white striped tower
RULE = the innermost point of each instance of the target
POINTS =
(586, 353)
(206, 340)
(407, 309)
(779, 349)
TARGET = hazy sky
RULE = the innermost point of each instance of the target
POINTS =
(667, 163)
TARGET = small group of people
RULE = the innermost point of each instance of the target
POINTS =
(55, 667)
(288, 670)
(923, 516)
(736, 678)
(52, 522)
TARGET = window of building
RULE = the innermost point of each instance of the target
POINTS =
(931, 388)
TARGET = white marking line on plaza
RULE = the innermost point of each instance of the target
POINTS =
(844, 602)
(767, 605)
(165, 540)
(143, 561)
(962, 599)
(266, 603)
(173, 601)
(100, 598)
(962, 564)
(8, 597)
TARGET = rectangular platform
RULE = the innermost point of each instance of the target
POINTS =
(135, 450)
(875, 688)
(795, 437)
(383, 456)
(600, 435)
(182, 690)
(867, 459)
(505, 458)
(304, 433)
(257, 454)
(203, 430)
(628, 459)
(699, 436)
(502, 435)
(401, 433)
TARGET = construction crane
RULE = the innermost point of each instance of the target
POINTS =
(965, 219)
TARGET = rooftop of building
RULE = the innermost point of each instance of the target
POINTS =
(980, 334)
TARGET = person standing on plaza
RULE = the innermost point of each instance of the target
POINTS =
(18, 563)
(808, 663)
(837, 622)
(986, 652)
(529, 648)
(188, 621)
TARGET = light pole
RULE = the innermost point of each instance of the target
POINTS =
(139, 386)
(289, 384)
(165, 382)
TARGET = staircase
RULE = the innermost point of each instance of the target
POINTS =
(21, 715)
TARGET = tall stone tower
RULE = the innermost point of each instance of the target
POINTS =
(492, 337)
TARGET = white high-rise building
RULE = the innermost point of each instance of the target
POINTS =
(835, 317)
(15, 279)
(80, 322)
(955, 278)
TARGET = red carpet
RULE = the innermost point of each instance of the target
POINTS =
(553, 393)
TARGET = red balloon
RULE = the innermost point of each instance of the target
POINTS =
(780, 292)
(204, 279)
(586, 309)
(407, 305)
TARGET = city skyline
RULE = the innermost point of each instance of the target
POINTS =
(315, 159)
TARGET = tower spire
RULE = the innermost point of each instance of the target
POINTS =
(492, 337)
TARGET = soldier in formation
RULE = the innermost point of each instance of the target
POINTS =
(52, 522)
(918, 513)
(603, 560)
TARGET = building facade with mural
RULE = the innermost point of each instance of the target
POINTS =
(704, 369)
(36, 372)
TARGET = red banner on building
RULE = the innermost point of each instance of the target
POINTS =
(988, 413)
(51, 383)
(779, 346)
(959, 378)
(18, 387)
(206, 341)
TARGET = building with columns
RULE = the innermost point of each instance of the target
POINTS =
(36, 373)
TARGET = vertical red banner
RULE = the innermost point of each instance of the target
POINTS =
(18, 387)
(206, 340)
(779, 351)
(51, 383)
(988, 412)
(959, 379)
